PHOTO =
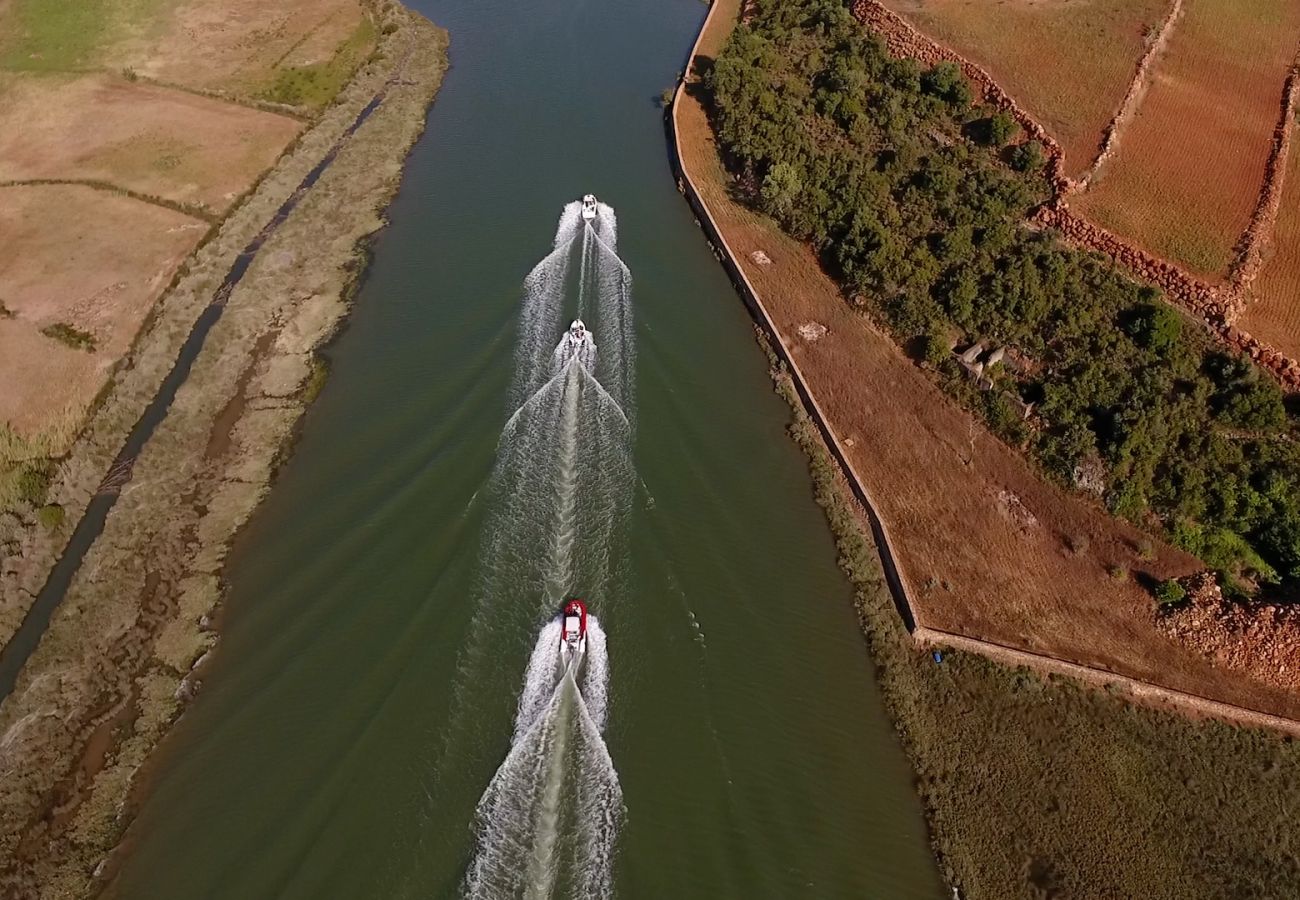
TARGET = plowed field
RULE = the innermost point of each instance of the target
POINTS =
(1188, 168)
(1069, 62)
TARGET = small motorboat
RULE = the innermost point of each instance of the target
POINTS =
(573, 634)
(577, 333)
(589, 207)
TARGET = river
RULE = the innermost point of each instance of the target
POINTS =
(340, 745)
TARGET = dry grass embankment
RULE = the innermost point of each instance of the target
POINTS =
(989, 548)
(118, 658)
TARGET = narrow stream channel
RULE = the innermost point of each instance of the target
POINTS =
(328, 754)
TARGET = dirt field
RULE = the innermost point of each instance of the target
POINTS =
(85, 258)
(1274, 314)
(983, 541)
(1069, 62)
(1188, 168)
(182, 147)
(239, 45)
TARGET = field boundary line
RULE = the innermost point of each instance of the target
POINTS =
(1137, 90)
(193, 210)
(1259, 231)
(900, 589)
(1140, 691)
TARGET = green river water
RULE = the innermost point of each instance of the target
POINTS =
(340, 743)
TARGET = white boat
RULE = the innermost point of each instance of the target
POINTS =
(589, 207)
(573, 634)
(577, 333)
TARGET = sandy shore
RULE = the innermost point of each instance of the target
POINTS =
(122, 651)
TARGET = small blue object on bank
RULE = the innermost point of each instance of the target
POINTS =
(938, 657)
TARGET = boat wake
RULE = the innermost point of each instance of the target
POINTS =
(563, 484)
(548, 821)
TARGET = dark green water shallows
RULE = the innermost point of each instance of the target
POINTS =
(748, 735)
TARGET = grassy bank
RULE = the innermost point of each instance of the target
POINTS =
(119, 658)
(1042, 788)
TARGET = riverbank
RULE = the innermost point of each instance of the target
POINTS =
(119, 657)
(978, 549)
(1033, 786)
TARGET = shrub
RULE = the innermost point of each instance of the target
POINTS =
(33, 483)
(1169, 592)
(73, 337)
(1001, 128)
(50, 515)
(1027, 157)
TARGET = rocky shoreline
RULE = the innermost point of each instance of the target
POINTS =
(123, 648)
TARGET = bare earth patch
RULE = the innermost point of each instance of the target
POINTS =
(1185, 176)
(1069, 62)
(86, 258)
(178, 146)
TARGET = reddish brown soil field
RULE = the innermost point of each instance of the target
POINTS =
(1188, 168)
(1068, 62)
(85, 258)
(171, 144)
(1274, 314)
(234, 45)
(980, 537)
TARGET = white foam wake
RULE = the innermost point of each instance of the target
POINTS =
(548, 821)
(563, 483)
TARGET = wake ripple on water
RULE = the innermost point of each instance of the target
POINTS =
(549, 819)
(563, 485)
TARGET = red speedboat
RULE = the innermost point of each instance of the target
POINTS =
(573, 633)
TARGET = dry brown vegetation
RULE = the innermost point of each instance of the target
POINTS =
(1188, 169)
(116, 663)
(1069, 62)
(236, 46)
(180, 147)
(126, 132)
